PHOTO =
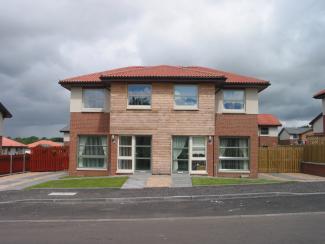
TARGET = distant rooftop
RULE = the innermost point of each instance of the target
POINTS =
(5, 112)
(297, 130)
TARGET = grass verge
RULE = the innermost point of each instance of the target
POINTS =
(83, 183)
(207, 181)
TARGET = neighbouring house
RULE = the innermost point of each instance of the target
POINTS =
(44, 143)
(4, 113)
(294, 135)
(319, 123)
(12, 147)
(268, 126)
(66, 134)
(164, 120)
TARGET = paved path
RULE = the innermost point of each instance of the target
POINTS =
(141, 180)
(136, 181)
(21, 181)
(291, 177)
(181, 180)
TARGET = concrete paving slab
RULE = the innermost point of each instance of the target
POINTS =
(181, 180)
(291, 177)
(136, 181)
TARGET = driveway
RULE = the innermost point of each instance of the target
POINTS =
(300, 177)
(21, 181)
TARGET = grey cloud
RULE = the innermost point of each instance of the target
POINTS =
(44, 41)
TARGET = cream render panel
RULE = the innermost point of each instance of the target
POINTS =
(251, 101)
(76, 101)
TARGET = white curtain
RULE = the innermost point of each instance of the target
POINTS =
(179, 143)
(89, 148)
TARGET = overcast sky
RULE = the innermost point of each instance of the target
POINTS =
(44, 41)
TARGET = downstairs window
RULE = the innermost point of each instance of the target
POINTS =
(234, 154)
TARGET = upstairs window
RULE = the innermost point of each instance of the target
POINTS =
(234, 100)
(264, 130)
(94, 98)
(186, 96)
(139, 96)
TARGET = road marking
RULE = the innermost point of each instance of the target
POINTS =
(62, 193)
(163, 218)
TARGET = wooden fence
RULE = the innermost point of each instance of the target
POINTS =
(10, 164)
(49, 159)
(287, 159)
(280, 159)
(314, 153)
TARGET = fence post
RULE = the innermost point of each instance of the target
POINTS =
(24, 163)
(10, 164)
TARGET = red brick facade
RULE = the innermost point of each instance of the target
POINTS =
(268, 141)
(313, 168)
(86, 124)
(237, 125)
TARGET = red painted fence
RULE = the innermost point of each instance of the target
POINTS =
(49, 159)
(14, 163)
(41, 159)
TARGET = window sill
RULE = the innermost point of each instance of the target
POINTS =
(185, 109)
(119, 171)
(233, 111)
(138, 107)
(234, 171)
(92, 169)
(93, 110)
(198, 173)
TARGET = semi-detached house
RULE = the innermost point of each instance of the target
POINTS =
(164, 119)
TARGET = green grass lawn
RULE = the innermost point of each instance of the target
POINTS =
(83, 183)
(209, 181)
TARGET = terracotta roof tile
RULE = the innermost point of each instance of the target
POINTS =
(44, 143)
(164, 71)
(268, 119)
(6, 142)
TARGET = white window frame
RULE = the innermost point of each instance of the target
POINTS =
(190, 155)
(132, 157)
(191, 158)
(243, 110)
(186, 107)
(138, 106)
(84, 109)
(235, 158)
(93, 168)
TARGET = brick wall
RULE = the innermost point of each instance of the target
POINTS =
(313, 168)
(237, 125)
(268, 141)
(86, 124)
(162, 121)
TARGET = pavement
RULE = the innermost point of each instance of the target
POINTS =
(291, 212)
(21, 181)
(300, 177)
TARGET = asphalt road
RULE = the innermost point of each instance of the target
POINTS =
(295, 214)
